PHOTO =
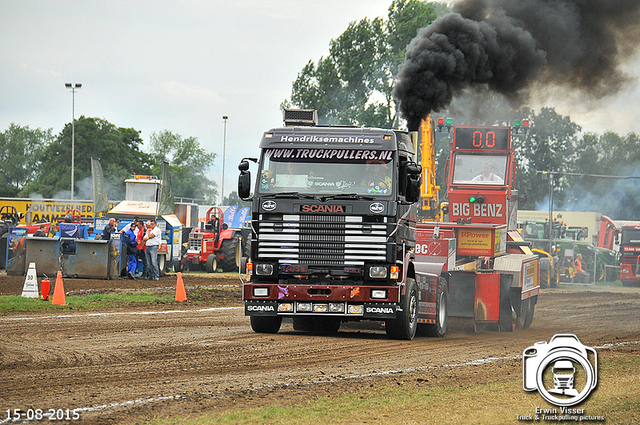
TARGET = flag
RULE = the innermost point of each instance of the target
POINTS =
(240, 218)
(100, 202)
(229, 214)
(166, 203)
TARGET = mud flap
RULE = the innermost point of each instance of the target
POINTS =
(260, 308)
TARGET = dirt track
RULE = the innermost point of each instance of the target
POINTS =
(167, 360)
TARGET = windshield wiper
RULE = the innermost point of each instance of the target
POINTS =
(347, 196)
(289, 195)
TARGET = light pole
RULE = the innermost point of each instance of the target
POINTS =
(73, 88)
(224, 148)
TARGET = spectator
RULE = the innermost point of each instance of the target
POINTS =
(142, 230)
(128, 225)
(130, 241)
(109, 229)
(41, 232)
(53, 229)
(152, 239)
(579, 275)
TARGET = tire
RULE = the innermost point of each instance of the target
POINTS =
(243, 265)
(544, 279)
(326, 324)
(177, 266)
(229, 260)
(506, 322)
(162, 265)
(529, 318)
(405, 325)
(555, 277)
(442, 309)
(303, 323)
(266, 324)
(212, 264)
(525, 315)
(246, 249)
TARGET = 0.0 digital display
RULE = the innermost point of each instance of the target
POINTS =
(482, 138)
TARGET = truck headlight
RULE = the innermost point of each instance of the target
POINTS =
(260, 292)
(378, 272)
(625, 270)
(320, 308)
(355, 309)
(303, 307)
(263, 269)
(336, 307)
(379, 293)
(285, 307)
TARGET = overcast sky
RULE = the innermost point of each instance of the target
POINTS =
(182, 65)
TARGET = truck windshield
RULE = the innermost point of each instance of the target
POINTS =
(325, 171)
(479, 169)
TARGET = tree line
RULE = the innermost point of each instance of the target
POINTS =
(353, 85)
(34, 163)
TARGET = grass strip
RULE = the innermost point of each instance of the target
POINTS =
(499, 401)
(16, 303)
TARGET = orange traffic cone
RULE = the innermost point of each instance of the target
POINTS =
(58, 291)
(181, 294)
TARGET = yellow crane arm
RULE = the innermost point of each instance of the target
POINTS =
(429, 189)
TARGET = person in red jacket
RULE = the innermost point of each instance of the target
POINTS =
(141, 244)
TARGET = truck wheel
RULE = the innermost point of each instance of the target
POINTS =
(228, 255)
(506, 322)
(177, 266)
(405, 324)
(266, 324)
(326, 324)
(544, 279)
(243, 265)
(442, 300)
(525, 313)
(303, 323)
(162, 265)
(529, 317)
(212, 264)
(246, 248)
(555, 277)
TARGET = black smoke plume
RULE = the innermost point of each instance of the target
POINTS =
(512, 46)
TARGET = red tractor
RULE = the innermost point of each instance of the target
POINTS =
(214, 245)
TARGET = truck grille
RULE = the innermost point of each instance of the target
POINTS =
(195, 242)
(322, 240)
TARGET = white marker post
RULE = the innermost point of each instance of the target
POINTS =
(30, 288)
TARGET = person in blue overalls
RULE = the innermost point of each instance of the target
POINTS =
(131, 243)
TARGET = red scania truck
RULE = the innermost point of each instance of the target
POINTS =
(630, 254)
(334, 237)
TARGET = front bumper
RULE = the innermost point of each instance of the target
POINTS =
(366, 302)
(353, 310)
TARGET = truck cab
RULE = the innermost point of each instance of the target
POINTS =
(630, 254)
(333, 225)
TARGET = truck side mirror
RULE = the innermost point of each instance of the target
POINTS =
(414, 181)
(244, 181)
